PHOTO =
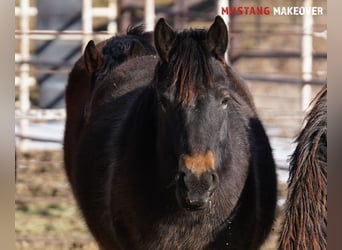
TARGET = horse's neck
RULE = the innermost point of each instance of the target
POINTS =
(240, 87)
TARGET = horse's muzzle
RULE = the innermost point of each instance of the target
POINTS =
(193, 191)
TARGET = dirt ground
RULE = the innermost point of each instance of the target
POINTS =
(46, 216)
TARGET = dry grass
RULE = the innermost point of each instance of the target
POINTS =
(46, 215)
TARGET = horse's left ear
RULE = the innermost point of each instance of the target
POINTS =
(93, 59)
(217, 38)
(164, 39)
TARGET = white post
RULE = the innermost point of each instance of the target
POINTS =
(180, 18)
(87, 22)
(224, 4)
(220, 4)
(307, 56)
(149, 15)
(24, 69)
(113, 24)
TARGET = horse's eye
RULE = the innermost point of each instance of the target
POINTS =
(224, 102)
(164, 102)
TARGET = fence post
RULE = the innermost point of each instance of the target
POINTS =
(307, 57)
(149, 15)
(220, 4)
(87, 22)
(113, 17)
(181, 11)
(24, 88)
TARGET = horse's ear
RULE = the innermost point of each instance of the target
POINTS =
(217, 38)
(137, 49)
(93, 58)
(164, 39)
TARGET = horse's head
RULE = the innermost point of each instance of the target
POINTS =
(192, 89)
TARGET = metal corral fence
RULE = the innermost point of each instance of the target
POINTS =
(181, 12)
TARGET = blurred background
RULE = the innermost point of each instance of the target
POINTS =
(282, 58)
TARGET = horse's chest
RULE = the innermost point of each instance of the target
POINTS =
(196, 234)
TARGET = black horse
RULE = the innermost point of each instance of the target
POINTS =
(306, 214)
(103, 57)
(175, 157)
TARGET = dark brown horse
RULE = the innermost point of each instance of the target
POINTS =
(305, 223)
(107, 54)
(174, 155)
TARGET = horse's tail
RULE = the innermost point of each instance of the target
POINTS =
(305, 222)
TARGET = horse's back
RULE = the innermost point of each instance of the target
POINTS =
(128, 76)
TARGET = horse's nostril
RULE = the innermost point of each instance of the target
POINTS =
(181, 180)
(213, 183)
(214, 178)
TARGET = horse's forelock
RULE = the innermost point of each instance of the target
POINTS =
(190, 65)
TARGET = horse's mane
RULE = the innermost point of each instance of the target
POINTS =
(305, 224)
(189, 64)
(117, 48)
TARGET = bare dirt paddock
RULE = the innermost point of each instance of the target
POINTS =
(46, 215)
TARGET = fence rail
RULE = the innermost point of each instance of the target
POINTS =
(54, 240)
(62, 35)
(41, 114)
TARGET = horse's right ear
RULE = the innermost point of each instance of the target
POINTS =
(93, 59)
(164, 39)
(217, 38)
